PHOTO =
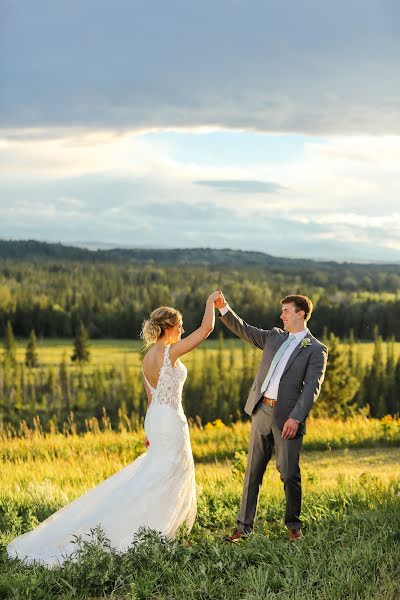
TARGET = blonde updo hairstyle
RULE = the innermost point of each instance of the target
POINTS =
(159, 320)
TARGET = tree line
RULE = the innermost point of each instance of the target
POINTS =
(52, 296)
(70, 398)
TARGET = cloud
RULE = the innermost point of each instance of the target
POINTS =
(380, 233)
(65, 153)
(359, 221)
(180, 226)
(242, 186)
(258, 65)
(333, 197)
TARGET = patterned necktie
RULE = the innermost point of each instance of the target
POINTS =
(279, 353)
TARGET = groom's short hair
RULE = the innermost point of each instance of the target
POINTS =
(301, 303)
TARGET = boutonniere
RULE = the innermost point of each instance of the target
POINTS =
(305, 342)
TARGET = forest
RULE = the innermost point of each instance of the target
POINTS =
(86, 397)
(48, 292)
(50, 288)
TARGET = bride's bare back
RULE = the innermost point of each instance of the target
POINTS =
(152, 364)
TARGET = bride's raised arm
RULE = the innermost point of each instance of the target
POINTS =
(200, 334)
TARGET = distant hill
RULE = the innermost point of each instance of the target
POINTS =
(203, 256)
(27, 249)
(50, 287)
(32, 249)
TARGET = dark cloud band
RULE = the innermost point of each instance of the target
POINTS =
(301, 66)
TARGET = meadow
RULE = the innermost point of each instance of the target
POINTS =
(351, 513)
(116, 352)
(57, 393)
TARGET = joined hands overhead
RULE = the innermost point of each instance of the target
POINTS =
(218, 299)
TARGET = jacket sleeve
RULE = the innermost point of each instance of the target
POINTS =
(248, 333)
(315, 375)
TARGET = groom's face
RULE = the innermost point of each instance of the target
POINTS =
(290, 318)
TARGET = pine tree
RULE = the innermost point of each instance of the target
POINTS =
(359, 368)
(396, 390)
(81, 352)
(339, 387)
(351, 356)
(192, 389)
(63, 377)
(221, 407)
(209, 386)
(31, 355)
(246, 371)
(391, 391)
(9, 345)
(375, 379)
(31, 395)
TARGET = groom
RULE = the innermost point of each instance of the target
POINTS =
(287, 383)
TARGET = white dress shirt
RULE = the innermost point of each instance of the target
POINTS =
(272, 389)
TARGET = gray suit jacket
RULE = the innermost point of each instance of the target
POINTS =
(301, 380)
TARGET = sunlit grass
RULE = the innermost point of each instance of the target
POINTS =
(116, 352)
(351, 514)
(214, 441)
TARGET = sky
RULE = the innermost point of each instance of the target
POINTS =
(255, 125)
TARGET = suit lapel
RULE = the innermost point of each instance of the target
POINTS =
(291, 358)
(297, 351)
(281, 341)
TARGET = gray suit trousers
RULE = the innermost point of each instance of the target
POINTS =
(264, 436)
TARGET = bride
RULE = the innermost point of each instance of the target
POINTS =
(157, 490)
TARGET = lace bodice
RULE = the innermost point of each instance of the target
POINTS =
(170, 383)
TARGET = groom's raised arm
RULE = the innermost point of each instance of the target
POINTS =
(247, 332)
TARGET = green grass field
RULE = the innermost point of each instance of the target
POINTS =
(115, 352)
(351, 512)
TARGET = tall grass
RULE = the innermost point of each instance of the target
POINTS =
(351, 514)
(214, 441)
(350, 551)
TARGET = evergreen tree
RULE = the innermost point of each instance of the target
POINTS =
(63, 377)
(351, 356)
(391, 387)
(193, 387)
(31, 355)
(17, 394)
(374, 385)
(395, 409)
(247, 370)
(10, 350)
(210, 388)
(81, 352)
(235, 401)
(31, 396)
(221, 407)
(339, 387)
(359, 368)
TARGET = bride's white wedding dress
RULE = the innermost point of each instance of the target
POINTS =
(157, 490)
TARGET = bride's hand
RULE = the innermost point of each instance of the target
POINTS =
(214, 297)
(220, 302)
(146, 443)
